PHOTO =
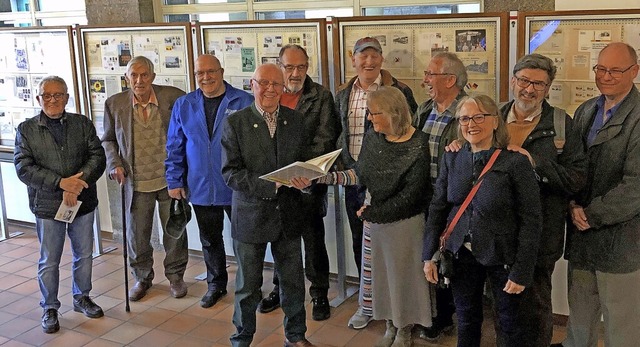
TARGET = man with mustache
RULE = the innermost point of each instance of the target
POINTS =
(134, 139)
(321, 125)
(194, 164)
(351, 104)
(445, 79)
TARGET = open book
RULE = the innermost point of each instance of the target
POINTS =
(311, 169)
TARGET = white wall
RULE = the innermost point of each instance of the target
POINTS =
(565, 5)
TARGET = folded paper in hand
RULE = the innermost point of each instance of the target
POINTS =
(309, 169)
(67, 213)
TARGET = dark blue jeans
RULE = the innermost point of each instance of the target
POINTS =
(211, 223)
(354, 199)
(468, 286)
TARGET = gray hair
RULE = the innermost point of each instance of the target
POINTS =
(52, 79)
(453, 65)
(394, 104)
(140, 59)
(537, 61)
(293, 47)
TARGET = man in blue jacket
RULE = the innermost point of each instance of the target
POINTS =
(193, 163)
(59, 157)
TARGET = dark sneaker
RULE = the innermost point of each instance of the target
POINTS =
(434, 332)
(50, 323)
(270, 303)
(321, 309)
(89, 308)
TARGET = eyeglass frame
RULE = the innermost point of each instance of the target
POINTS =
(368, 113)
(291, 67)
(55, 96)
(528, 82)
(596, 68)
(430, 74)
(207, 72)
(266, 84)
(475, 118)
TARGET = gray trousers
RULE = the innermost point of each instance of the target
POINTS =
(139, 228)
(616, 297)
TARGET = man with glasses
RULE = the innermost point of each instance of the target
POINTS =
(255, 141)
(556, 153)
(193, 163)
(59, 157)
(445, 79)
(350, 100)
(603, 239)
(135, 136)
(321, 124)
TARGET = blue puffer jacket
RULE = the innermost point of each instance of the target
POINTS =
(193, 159)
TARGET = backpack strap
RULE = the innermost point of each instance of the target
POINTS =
(559, 123)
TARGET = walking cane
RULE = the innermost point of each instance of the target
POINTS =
(124, 249)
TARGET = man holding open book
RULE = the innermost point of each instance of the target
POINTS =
(257, 140)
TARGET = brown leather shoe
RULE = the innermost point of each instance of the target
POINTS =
(138, 291)
(178, 288)
(301, 343)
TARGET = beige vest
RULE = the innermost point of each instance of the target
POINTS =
(149, 152)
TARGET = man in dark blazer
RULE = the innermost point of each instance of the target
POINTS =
(255, 141)
(142, 113)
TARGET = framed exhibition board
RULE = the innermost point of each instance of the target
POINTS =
(105, 52)
(26, 56)
(242, 46)
(408, 42)
(573, 39)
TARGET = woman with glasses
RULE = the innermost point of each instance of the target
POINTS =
(394, 166)
(497, 235)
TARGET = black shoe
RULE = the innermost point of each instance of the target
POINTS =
(270, 303)
(50, 323)
(433, 332)
(211, 298)
(89, 308)
(321, 309)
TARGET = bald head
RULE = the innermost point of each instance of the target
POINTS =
(267, 85)
(209, 75)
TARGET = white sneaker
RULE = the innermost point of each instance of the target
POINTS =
(359, 320)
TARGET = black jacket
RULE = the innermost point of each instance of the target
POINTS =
(41, 163)
(559, 177)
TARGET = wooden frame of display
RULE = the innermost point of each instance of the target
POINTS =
(169, 46)
(573, 40)
(405, 30)
(39, 52)
(269, 36)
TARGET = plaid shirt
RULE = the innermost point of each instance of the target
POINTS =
(434, 127)
(358, 114)
(270, 118)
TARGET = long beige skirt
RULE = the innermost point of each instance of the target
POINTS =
(400, 289)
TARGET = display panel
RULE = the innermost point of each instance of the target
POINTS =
(573, 42)
(106, 52)
(26, 56)
(409, 42)
(243, 46)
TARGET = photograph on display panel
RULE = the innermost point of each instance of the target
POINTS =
(409, 44)
(573, 43)
(241, 47)
(107, 52)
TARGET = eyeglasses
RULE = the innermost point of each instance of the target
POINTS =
(301, 67)
(524, 83)
(601, 71)
(56, 96)
(432, 74)
(207, 72)
(478, 118)
(369, 113)
(267, 83)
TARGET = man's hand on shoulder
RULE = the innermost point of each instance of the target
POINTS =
(454, 146)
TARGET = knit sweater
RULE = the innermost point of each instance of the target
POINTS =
(396, 175)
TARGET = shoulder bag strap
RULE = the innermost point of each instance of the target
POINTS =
(472, 193)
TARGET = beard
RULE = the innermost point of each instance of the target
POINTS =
(526, 105)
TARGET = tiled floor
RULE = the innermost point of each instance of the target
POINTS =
(157, 320)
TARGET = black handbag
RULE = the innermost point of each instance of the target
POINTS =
(444, 257)
(179, 216)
